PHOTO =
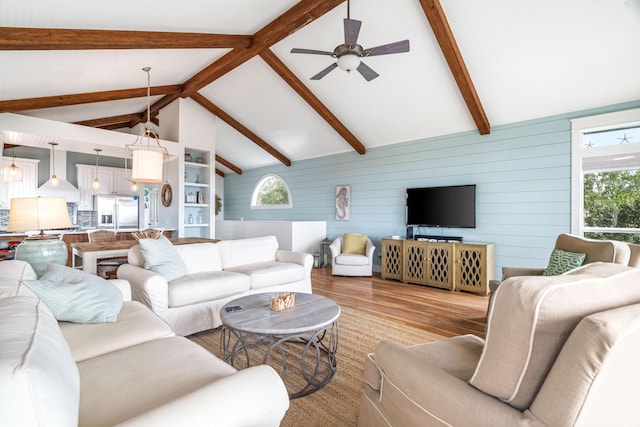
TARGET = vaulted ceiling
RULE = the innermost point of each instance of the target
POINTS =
(471, 65)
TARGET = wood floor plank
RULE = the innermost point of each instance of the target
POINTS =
(431, 309)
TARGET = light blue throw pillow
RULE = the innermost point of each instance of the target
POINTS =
(162, 257)
(76, 296)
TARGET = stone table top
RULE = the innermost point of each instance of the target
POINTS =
(310, 312)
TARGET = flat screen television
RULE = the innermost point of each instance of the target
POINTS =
(451, 207)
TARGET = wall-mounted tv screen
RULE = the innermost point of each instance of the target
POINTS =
(452, 206)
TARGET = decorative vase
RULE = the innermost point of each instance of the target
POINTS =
(39, 252)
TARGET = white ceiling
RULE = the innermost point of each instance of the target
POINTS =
(527, 59)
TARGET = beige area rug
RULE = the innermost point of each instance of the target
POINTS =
(337, 403)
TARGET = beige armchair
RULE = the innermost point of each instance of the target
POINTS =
(351, 264)
(559, 351)
(595, 251)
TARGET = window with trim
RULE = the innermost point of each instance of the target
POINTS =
(606, 176)
(271, 192)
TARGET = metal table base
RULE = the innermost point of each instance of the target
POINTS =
(317, 362)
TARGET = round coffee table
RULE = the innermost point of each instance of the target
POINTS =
(304, 336)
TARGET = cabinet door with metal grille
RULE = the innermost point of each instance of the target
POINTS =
(440, 271)
(391, 267)
(414, 262)
(475, 267)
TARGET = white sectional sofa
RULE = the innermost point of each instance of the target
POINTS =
(216, 273)
(132, 372)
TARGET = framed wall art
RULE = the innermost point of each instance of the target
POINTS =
(343, 202)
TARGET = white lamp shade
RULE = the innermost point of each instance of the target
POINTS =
(38, 213)
(147, 166)
(348, 62)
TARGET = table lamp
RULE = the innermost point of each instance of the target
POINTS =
(40, 213)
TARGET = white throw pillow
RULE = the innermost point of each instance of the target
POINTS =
(162, 257)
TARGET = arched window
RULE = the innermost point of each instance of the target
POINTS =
(271, 192)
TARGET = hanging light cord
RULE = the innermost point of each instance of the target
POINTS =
(148, 124)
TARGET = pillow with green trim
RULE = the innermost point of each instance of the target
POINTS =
(76, 296)
(562, 261)
(354, 244)
(162, 257)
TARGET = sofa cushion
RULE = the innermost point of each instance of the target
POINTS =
(354, 244)
(149, 375)
(271, 273)
(39, 383)
(200, 287)
(562, 261)
(351, 259)
(76, 296)
(162, 257)
(136, 324)
(13, 273)
(247, 251)
(531, 317)
(200, 257)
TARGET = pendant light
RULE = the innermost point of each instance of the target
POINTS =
(12, 172)
(96, 181)
(54, 178)
(148, 154)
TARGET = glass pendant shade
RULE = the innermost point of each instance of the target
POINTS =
(12, 172)
(54, 179)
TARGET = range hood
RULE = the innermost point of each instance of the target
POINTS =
(64, 188)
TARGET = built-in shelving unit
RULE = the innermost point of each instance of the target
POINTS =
(196, 213)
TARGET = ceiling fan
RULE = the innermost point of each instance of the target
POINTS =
(349, 55)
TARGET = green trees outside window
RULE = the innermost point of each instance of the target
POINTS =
(612, 200)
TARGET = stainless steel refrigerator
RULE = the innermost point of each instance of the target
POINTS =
(116, 211)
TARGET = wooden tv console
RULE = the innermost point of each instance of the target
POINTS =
(455, 266)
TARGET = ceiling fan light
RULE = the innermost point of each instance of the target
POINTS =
(348, 62)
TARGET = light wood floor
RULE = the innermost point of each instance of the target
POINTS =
(432, 309)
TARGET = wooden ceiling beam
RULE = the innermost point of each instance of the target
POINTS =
(446, 40)
(123, 120)
(218, 112)
(219, 172)
(299, 15)
(83, 98)
(225, 162)
(12, 38)
(296, 84)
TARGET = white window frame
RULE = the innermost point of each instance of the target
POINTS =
(582, 126)
(258, 186)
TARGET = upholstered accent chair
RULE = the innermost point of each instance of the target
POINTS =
(559, 351)
(353, 256)
(594, 250)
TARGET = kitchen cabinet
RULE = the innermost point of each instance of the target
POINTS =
(28, 187)
(112, 181)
